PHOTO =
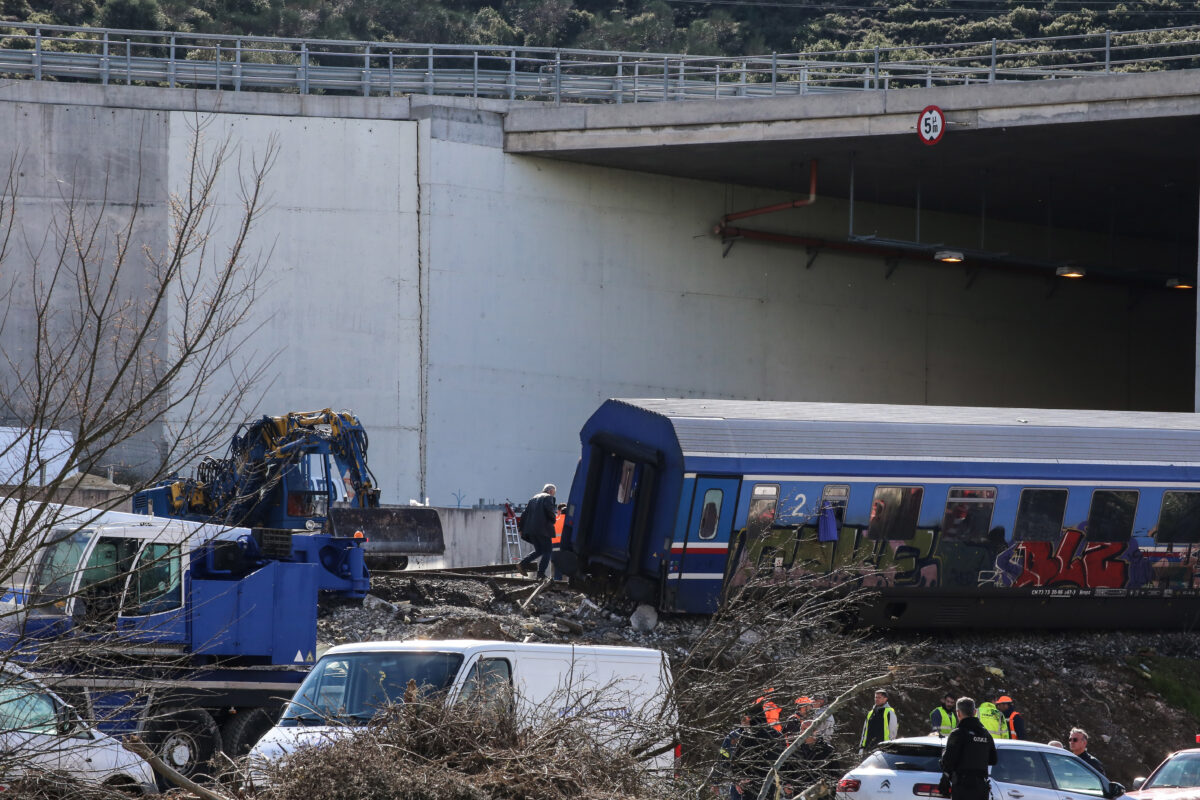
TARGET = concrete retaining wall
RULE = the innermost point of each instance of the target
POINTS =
(474, 307)
(474, 536)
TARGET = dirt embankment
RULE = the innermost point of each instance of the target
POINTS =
(1137, 694)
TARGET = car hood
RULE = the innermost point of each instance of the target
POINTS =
(1181, 793)
(279, 741)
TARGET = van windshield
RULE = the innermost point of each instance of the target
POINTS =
(353, 687)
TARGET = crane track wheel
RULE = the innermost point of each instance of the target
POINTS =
(186, 739)
(243, 730)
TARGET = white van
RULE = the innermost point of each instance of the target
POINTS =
(351, 682)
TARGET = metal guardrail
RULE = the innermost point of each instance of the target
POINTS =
(246, 63)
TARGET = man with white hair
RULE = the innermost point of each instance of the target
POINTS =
(1077, 743)
(537, 528)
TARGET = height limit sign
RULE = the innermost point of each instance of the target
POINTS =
(931, 125)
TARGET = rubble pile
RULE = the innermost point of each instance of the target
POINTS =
(468, 608)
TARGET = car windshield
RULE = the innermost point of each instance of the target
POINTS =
(1182, 770)
(56, 570)
(352, 688)
(24, 706)
(906, 757)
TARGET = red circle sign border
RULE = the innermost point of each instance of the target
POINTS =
(941, 129)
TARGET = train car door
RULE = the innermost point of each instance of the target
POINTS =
(700, 557)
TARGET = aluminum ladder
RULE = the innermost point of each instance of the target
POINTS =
(512, 537)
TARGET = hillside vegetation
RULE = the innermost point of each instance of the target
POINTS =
(719, 27)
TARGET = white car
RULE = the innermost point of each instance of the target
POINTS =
(904, 768)
(38, 731)
(1176, 778)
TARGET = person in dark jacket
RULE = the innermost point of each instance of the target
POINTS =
(1078, 744)
(538, 529)
(759, 747)
(880, 725)
(969, 752)
(731, 749)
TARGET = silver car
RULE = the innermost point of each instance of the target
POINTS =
(40, 732)
(904, 768)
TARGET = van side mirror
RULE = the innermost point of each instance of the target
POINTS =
(66, 725)
(1114, 790)
(1137, 783)
(70, 725)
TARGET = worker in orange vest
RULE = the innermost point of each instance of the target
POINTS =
(1016, 722)
(560, 519)
(771, 710)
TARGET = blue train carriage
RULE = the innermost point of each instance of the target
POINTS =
(981, 517)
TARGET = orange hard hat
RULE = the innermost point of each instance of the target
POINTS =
(804, 701)
(1004, 699)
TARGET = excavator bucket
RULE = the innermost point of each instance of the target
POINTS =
(392, 531)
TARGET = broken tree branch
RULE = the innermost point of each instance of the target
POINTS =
(772, 776)
(135, 745)
(536, 592)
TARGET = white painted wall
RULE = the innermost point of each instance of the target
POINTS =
(89, 174)
(337, 318)
(554, 286)
(536, 289)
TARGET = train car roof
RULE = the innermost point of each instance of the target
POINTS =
(764, 429)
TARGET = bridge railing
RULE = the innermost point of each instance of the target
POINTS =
(309, 66)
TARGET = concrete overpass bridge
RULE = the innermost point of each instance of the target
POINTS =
(474, 260)
(1112, 155)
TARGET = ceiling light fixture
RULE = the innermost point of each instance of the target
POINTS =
(1070, 272)
(1176, 283)
(948, 256)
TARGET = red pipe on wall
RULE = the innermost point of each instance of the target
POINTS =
(807, 201)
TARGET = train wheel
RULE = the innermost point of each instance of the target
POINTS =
(243, 730)
(186, 739)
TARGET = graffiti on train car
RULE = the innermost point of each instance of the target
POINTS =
(932, 559)
(1074, 561)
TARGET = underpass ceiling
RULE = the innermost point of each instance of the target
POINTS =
(1133, 178)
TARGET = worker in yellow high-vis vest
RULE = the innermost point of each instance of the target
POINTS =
(881, 724)
(943, 719)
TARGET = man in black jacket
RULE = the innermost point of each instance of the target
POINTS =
(1078, 744)
(538, 529)
(968, 754)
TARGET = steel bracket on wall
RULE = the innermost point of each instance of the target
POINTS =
(722, 228)
(813, 252)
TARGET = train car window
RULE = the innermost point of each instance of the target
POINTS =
(968, 516)
(1179, 518)
(1040, 515)
(763, 502)
(1111, 516)
(836, 496)
(710, 513)
(894, 512)
(625, 489)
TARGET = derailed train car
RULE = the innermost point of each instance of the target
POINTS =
(982, 517)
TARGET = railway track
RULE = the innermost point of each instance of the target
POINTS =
(504, 573)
